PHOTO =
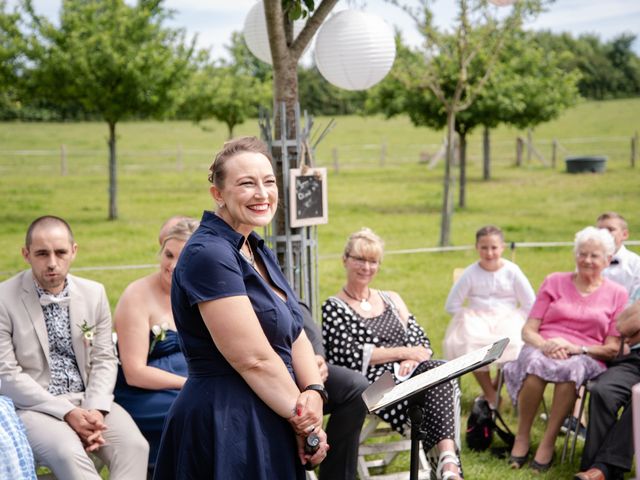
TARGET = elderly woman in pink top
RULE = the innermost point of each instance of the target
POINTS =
(570, 332)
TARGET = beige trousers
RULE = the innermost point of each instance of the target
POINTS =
(56, 446)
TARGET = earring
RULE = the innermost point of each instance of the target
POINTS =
(221, 205)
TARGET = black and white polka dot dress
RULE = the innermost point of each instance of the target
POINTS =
(347, 336)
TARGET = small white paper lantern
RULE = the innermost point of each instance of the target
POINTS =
(354, 49)
(502, 3)
(256, 35)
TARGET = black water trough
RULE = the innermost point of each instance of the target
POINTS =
(586, 163)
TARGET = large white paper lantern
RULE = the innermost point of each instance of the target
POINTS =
(354, 50)
(502, 3)
(255, 32)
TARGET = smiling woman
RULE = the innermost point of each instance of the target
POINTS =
(372, 331)
(570, 332)
(253, 379)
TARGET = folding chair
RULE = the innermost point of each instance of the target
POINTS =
(573, 432)
(585, 389)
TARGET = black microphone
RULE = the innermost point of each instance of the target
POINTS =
(311, 445)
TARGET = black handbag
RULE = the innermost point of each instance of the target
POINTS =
(482, 423)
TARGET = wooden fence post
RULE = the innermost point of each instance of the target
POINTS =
(63, 160)
(529, 145)
(179, 163)
(486, 154)
(383, 153)
(334, 154)
(634, 149)
(554, 152)
(519, 150)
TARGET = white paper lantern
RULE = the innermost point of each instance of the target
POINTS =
(255, 32)
(354, 50)
(502, 3)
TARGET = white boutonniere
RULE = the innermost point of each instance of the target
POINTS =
(159, 334)
(87, 333)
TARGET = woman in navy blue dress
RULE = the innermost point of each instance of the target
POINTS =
(254, 391)
(153, 368)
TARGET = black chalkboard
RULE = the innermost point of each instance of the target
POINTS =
(308, 197)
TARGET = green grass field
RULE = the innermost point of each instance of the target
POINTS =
(163, 170)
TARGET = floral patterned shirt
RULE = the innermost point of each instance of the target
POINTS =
(65, 375)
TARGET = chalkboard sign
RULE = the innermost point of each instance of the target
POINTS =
(308, 197)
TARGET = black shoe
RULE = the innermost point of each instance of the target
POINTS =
(516, 462)
(541, 467)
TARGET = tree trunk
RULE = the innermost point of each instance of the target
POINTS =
(285, 91)
(462, 194)
(285, 54)
(113, 180)
(447, 200)
(486, 154)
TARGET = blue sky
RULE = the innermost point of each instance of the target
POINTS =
(214, 20)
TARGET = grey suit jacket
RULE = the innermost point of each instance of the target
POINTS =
(24, 346)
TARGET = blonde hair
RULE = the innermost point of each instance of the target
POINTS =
(181, 231)
(364, 243)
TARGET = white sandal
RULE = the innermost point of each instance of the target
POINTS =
(447, 457)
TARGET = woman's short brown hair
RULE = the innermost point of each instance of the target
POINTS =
(231, 148)
(489, 230)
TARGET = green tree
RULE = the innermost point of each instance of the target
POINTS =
(225, 93)
(607, 70)
(117, 61)
(527, 87)
(285, 54)
(454, 68)
(12, 56)
(243, 61)
(320, 97)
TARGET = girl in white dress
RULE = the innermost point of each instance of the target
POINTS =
(490, 301)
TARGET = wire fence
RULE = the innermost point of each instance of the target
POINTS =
(550, 152)
(411, 251)
(69, 160)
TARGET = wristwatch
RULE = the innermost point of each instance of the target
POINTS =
(585, 350)
(320, 389)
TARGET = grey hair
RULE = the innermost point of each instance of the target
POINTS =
(598, 235)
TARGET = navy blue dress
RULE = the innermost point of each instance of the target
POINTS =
(149, 408)
(218, 428)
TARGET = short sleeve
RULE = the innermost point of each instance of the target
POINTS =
(211, 272)
(620, 302)
(543, 299)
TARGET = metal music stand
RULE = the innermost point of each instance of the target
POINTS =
(384, 392)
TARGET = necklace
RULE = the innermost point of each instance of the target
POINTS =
(251, 259)
(364, 303)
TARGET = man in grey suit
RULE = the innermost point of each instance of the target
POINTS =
(58, 365)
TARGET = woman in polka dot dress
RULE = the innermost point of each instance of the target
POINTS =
(372, 331)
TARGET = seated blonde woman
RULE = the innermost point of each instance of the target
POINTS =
(372, 331)
(153, 368)
(570, 332)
